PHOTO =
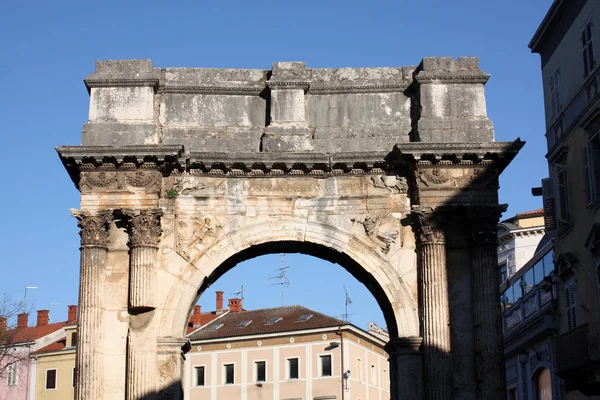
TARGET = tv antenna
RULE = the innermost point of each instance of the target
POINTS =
(348, 301)
(240, 293)
(283, 280)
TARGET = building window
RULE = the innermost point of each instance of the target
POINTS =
(260, 371)
(50, 379)
(325, 365)
(74, 339)
(504, 271)
(373, 375)
(292, 368)
(228, 372)
(544, 385)
(74, 376)
(199, 372)
(359, 369)
(591, 168)
(384, 378)
(555, 98)
(563, 194)
(571, 304)
(587, 50)
(11, 374)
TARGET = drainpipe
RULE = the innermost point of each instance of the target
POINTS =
(340, 333)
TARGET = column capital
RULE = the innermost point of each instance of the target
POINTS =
(404, 346)
(484, 222)
(427, 224)
(93, 226)
(143, 226)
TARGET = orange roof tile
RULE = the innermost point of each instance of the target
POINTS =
(56, 346)
(539, 211)
(31, 333)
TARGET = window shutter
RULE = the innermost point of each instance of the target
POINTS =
(563, 194)
(587, 180)
(549, 204)
(570, 305)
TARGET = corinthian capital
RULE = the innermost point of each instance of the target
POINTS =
(143, 226)
(427, 224)
(93, 227)
(484, 222)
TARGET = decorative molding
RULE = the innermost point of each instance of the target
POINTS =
(120, 82)
(278, 85)
(340, 88)
(94, 228)
(101, 181)
(457, 77)
(206, 89)
(469, 176)
(143, 227)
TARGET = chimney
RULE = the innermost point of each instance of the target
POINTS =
(22, 320)
(219, 308)
(42, 317)
(72, 316)
(2, 323)
(195, 319)
(235, 305)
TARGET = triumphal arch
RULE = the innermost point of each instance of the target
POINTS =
(391, 172)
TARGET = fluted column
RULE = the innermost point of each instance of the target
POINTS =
(405, 368)
(144, 236)
(435, 312)
(489, 342)
(94, 247)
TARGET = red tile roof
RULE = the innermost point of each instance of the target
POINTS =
(538, 212)
(56, 346)
(288, 323)
(31, 333)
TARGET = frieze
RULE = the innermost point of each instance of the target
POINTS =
(94, 228)
(188, 186)
(102, 181)
(452, 177)
(353, 89)
(143, 226)
(428, 77)
(226, 90)
(382, 230)
(395, 184)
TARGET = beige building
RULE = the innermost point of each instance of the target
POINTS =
(285, 353)
(565, 41)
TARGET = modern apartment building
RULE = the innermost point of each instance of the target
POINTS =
(285, 353)
(566, 41)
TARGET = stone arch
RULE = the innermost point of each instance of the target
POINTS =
(393, 294)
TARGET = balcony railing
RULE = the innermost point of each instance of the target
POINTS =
(578, 348)
(538, 299)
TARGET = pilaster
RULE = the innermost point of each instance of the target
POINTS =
(288, 129)
(405, 368)
(170, 367)
(487, 322)
(94, 247)
(435, 314)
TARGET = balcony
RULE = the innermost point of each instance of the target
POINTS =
(578, 358)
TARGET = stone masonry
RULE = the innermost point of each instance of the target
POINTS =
(391, 172)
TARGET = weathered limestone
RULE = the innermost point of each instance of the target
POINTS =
(489, 359)
(94, 241)
(208, 167)
(431, 247)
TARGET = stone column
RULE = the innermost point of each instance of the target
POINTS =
(487, 320)
(435, 311)
(171, 362)
(405, 368)
(144, 236)
(89, 358)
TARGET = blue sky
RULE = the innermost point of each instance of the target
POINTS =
(49, 47)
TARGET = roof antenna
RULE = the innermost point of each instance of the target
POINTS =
(283, 280)
(240, 293)
(346, 315)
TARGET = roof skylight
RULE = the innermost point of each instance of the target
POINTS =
(273, 321)
(243, 324)
(214, 327)
(304, 317)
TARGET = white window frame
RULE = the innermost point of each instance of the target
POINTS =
(11, 374)
(288, 370)
(255, 371)
(321, 355)
(555, 93)
(196, 375)
(587, 49)
(224, 373)
(570, 296)
(55, 379)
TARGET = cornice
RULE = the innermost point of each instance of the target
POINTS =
(339, 88)
(204, 89)
(120, 82)
(436, 153)
(456, 77)
(288, 84)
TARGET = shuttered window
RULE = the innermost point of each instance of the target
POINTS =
(571, 304)
(591, 169)
(555, 97)
(562, 186)
(549, 204)
(587, 49)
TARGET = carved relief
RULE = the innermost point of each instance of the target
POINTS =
(143, 227)
(189, 186)
(167, 374)
(457, 177)
(94, 228)
(194, 234)
(395, 184)
(112, 180)
(384, 231)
